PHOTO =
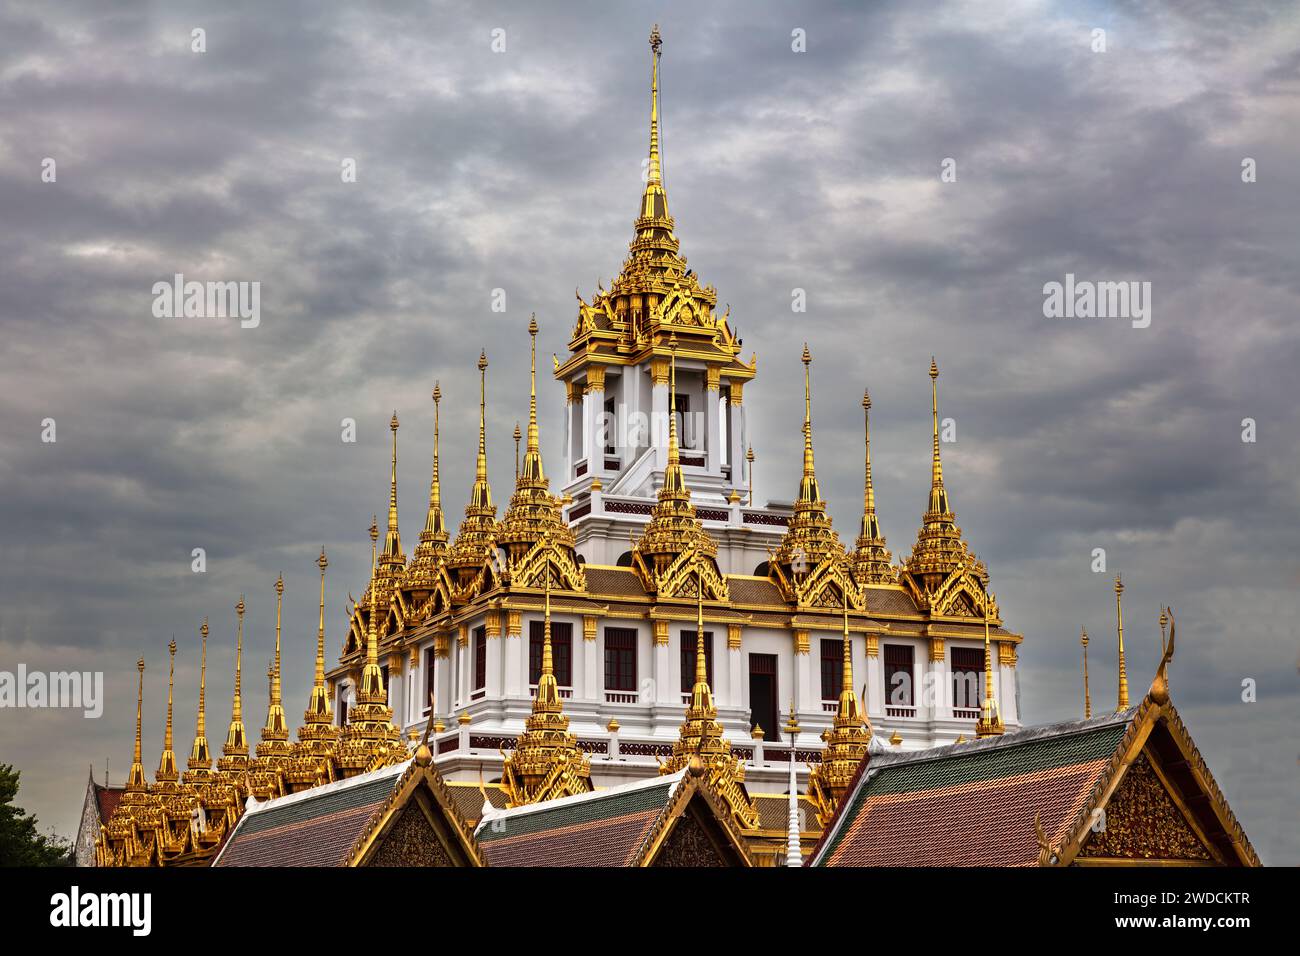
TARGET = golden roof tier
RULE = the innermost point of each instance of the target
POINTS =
(198, 769)
(847, 742)
(811, 566)
(370, 740)
(475, 546)
(534, 534)
(675, 553)
(942, 574)
(871, 559)
(312, 760)
(425, 574)
(547, 763)
(655, 294)
(234, 753)
(274, 749)
(701, 741)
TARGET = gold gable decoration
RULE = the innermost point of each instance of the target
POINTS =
(547, 762)
(811, 566)
(533, 532)
(701, 745)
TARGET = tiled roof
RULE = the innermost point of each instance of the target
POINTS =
(972, 804)
(603, 828)
(106, 799)
(760, 591)
(315, 828)
(616, 582)
(890, 600)
(468, 799)
(774, 812)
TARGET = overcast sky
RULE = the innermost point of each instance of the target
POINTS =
(816, 170)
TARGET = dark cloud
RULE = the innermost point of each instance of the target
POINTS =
(521, 171)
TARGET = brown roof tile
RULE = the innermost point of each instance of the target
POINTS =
(972, 804)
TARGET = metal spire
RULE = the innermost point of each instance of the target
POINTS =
(1087, 697)
(1119, 623)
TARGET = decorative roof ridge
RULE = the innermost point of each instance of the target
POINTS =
(547, 805)
(324, 789)
(1025, 735)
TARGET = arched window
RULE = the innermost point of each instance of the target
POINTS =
(625, 559)
(763, 570)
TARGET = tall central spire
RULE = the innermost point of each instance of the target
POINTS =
(938, 494)
(654, 204)
(871, 559)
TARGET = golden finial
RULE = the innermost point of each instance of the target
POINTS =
(135, 781)
(1160, 686)
(167, 763)
(318, 705)
(809, 493)
(374, 529)
(200, 757)
(480, 468)
(655, 170)
(749, 457)
(1119, 622)
(792, 726)
(1164, 622)
(896, 738)
(423, 755)
(871, 559)
(936, 468)
(1087, 697)
(990, 721)
(236, 742)
(393, 539)
(276, 728)
(518, 435)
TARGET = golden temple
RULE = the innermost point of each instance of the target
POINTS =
(547, 635)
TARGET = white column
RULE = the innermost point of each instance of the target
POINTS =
(593, 685)
(941, 706)
(736, 676)
(514, 651)
(589, 411)
(659, 425)
(875, 702)
(806, 699)
(712, 429)
(1006, 690)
